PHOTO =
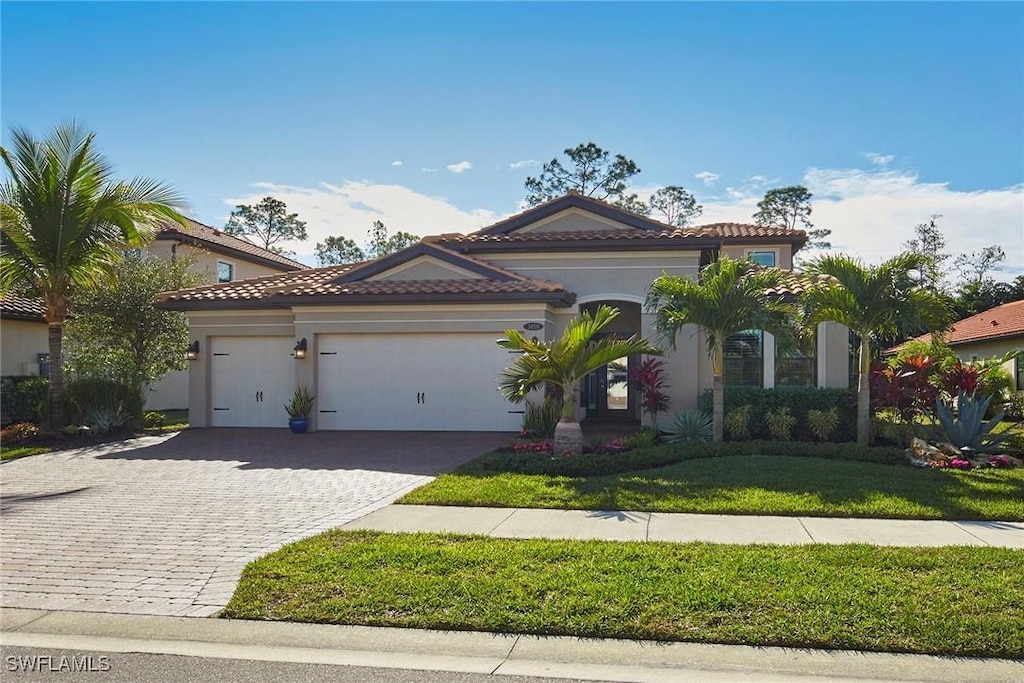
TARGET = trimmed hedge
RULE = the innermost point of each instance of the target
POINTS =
(22, 398)
(89, 394)
(799, 401)
(599, 464)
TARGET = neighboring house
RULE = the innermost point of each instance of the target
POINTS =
(990, 334)
(407, 342)
(219, 256)
(24, 334)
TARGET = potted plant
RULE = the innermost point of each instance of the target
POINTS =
(299, 409)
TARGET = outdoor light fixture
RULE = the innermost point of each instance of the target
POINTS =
(192, 350)
(299, 352)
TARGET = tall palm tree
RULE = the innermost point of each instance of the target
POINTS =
(729, 297)
(877, 301)
(563, 362)
(65, 220)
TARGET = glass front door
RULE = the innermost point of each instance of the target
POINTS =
(605, 391)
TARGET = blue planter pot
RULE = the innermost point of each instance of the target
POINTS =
(298, 425)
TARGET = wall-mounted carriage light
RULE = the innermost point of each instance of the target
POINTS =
(299, 352)
(192, 350)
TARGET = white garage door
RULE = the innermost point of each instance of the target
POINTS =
(430, 382)
(251, 380)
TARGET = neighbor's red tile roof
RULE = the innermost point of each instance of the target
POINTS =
(218, 239)
(23, 308)
(1002, 321)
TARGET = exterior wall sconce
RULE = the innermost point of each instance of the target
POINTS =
(192, 350)
(299, 352)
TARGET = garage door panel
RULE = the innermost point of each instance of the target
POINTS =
(251, 379)
(431, 382)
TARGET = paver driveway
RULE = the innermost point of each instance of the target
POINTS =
(164, 525)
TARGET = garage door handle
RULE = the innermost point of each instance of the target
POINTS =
(328, 411)
(222, 408)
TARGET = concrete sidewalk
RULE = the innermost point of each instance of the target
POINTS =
(476, 652)
(677, 527)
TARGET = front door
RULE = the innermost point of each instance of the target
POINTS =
(605, 392)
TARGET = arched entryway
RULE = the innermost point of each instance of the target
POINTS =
(605, 394)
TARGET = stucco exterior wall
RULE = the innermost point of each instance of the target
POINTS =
(783, 259)
(995, 349)
(22, 341)
(206, 261)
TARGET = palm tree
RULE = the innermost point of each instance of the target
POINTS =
(729, 297)
(64, 223)
(563, 363)
(888, 299)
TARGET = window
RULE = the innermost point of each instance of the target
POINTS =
(762, 258)
(744, 359)
(795, 368)
(225, 271)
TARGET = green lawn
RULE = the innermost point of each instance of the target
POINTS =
(956, 601)
(16, 452)
(773, 485)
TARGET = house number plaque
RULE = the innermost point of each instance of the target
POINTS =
(533, 326)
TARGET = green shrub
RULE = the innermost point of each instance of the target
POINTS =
(689, 426)
(23, 398)
(1014, 406)
(103, 403)
(598, 464)
(799, 401)
(540, 419)
(822, 422)
(780, 423)
(645, 438)
(737, 423)
(153, 419)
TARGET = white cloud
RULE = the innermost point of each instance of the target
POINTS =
(397, 162)
(428, 170)
(882, 160)
(349, 209)
(459, 167)
(707, 177)
(873, 212)
(524, 163)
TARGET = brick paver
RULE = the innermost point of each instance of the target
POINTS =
(164, 525)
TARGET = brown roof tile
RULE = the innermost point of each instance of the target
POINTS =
(219, 240)
(22, 308)
(1002, 321)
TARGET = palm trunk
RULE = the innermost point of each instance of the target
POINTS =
(568, 433)
(56, 342)
(864, 393)
(717, 394)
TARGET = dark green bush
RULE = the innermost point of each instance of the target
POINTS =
(23, 398)
(799, 401)
(598, 464)
(91, 396)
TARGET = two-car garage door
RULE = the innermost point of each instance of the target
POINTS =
(428, 381)
(435, 381)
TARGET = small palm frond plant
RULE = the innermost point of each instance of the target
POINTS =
(780, 423)
(540, 419)
(690, 426)
(969, 428)
(645, 438)
(301, 404)
(737, 423)
(823, 422)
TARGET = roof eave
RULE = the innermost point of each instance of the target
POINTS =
(184, 238)
(561, 299)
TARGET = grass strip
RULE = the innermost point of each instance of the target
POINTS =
(952, 601)
(22, 452)
(771, 485)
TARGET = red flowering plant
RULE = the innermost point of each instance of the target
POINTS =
(903, 386)
(961, 377)
(649, 378)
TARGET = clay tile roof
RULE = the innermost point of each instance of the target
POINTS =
(1002, 321)
(219, 240)
(22, 308)
(577, 235)
(796, 283)
(746, 230)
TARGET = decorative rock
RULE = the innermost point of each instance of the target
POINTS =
(948, 449)
(924, 451)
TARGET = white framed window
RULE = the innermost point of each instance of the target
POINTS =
(225, 271)
(767, 258)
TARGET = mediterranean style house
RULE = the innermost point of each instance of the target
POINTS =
(217, 255)
(407, 342)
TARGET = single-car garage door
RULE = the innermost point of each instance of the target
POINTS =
(430, 382)
(251, 380)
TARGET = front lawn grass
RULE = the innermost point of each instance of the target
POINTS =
(16, 452)
(953, 601)
(769, 485)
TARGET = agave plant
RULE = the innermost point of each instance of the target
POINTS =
(693, 425)
(969, 428)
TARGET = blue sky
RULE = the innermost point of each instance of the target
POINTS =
(888, 112)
